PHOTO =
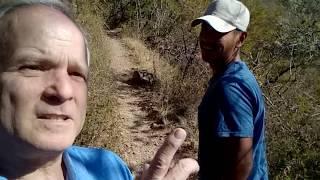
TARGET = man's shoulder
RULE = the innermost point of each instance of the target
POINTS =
(238, 74)
(92, 163)
(237, 70)
(78, 151)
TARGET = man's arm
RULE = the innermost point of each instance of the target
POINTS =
(237, 157)
(236, 131)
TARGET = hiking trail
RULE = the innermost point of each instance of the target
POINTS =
(141, 141)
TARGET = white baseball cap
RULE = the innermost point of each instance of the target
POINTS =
(225, 16)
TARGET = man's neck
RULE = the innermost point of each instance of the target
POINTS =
(222, 67)
(20, 162)
(233, 59)
(32, 169)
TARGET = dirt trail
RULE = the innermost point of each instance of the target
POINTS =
(141, 142)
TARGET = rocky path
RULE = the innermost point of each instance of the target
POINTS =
(141, 141)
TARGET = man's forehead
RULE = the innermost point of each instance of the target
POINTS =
(42, 27)
(36, 14)
(206, 28)
(37, 21)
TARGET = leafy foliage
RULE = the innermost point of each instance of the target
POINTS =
(286, 63)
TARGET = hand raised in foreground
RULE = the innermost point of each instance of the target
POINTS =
(159, 169)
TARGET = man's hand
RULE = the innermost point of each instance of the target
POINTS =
(160, 167)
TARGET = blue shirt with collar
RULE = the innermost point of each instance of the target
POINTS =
(93, 164)
(232, 106)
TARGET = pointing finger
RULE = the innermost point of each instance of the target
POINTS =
(162, 160)
(145, 170)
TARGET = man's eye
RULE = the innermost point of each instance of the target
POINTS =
(78, 75)
(31, 67)
(212, 47)
(207, 48)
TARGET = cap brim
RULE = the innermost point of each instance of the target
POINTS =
(215, 22)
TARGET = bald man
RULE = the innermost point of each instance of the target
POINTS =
(44, 71)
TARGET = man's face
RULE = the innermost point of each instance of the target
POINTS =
(43, 83)
(217, 48)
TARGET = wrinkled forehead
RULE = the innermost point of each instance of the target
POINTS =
(37, 18)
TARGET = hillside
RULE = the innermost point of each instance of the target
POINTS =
(282, 50)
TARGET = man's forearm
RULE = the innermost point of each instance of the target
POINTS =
(242, 170)
(238, 159)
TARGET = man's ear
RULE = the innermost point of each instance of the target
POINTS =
(242, 37)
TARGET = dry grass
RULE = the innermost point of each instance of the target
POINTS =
(143, 57)
(152, 62)
(101, 128)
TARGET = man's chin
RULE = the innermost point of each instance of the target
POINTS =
(212, 61)
(53, 144)
(213, 66)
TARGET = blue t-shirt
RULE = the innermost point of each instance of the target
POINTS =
(93, 164)
(232, 106)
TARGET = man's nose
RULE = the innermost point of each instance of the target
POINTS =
(60, 88)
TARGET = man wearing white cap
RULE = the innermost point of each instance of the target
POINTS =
(231, 114)
(44, 71)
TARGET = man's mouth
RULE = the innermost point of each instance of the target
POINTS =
(54, 116)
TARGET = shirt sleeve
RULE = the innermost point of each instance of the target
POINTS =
(235, 114)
